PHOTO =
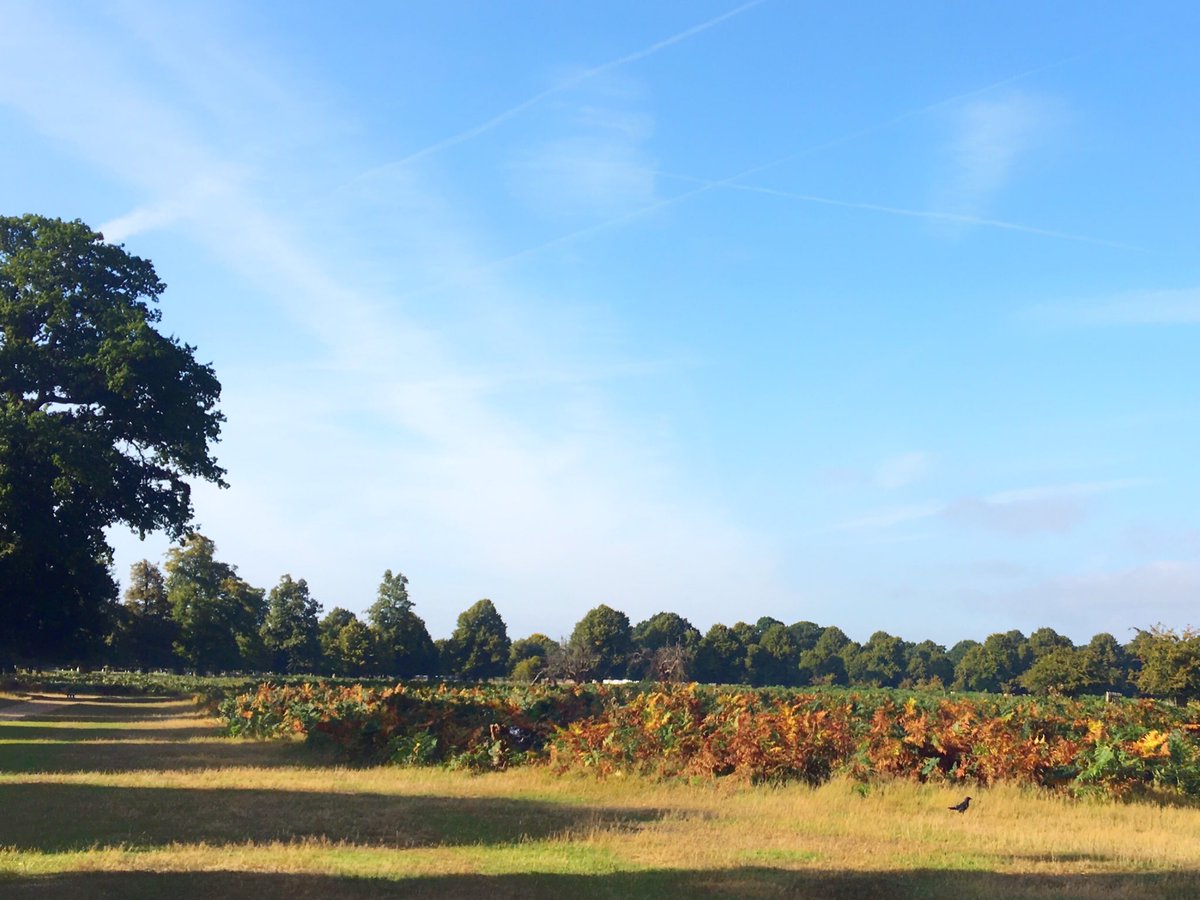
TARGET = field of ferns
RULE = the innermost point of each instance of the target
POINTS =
(691, 731)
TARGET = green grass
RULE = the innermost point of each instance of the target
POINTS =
(128, 799)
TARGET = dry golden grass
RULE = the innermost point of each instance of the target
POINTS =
(169, 808)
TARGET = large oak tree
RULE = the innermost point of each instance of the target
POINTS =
(103, 421)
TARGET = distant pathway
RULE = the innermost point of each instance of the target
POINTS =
(38, 707)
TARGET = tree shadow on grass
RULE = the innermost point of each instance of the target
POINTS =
(114, 700)
(55, 818)
(115, 709)
(42, 730)
(133, 755)
(665, 883)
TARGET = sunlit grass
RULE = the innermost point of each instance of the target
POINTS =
(167, 806)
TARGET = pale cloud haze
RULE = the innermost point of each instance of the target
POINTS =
(649, 311)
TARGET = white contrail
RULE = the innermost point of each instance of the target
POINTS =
(731, 180)
(565, 85)
(957, 218)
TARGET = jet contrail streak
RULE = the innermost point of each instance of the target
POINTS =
(565, 85)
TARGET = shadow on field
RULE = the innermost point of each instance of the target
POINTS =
(44, 730)
(115, 700)
(113, 709)
(745, 882)
(134, 753)
(60, 817)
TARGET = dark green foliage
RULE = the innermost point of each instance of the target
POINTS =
(604, 637)
(1170, 663)
(1107, 665)
(147, 632)
(1046, 640)
(825, 663)
(664, 648)
(1057, 671)
(994, 665)
(290, 632)
(218, 614)
(881, 662)
(763, 623)
(479, 647)
(347, 647)
(402, 643)
(527, 657)
(928, 665)
(721, 657)
(665, 629)
(103, 421)
(774, 659)
(959, 650)
(805, 634)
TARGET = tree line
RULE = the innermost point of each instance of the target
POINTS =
(197, 613)
(105, 421)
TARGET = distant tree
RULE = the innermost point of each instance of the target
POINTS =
(664, 647)
(103, 421)
(959, 650)
(746, 633)
(721, 657)
(774, 659)
(1061, 670)
(443, 652)
(928, 665)
(572, 661)
(674, 662)
(532, 653)
(763, 623)
(603, 634)
(826, 661)
(346, 644)
(217, 613)
(403, 646)
(150, 632)
(976, 671)
(479, 646)
(805, 634)
(1107, 665)
(882, 661)
(291, 631)
(1170, 663)
(528, 669)
(995, 665)
(151, 628)
(665, 629)
(1046, 640)
(355, 649)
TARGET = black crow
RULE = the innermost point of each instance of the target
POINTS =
(961, 807)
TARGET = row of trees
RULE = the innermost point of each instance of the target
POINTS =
(197, 612)
(106, 421)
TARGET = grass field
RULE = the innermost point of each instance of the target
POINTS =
(128, 798)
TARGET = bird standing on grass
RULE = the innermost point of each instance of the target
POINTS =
(961, 807)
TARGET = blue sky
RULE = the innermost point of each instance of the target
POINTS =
(879, 315)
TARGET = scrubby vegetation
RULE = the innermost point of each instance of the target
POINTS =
(771, 735)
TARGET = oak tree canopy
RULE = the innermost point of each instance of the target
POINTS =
(103, 420)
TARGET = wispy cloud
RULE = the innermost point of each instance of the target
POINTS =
(596, 163)
(1161, 590)
(409, 452)
(991, 136)
(1023, 511)
(1151, 307)
(950, 218)
(903, 470)
(567, 84)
